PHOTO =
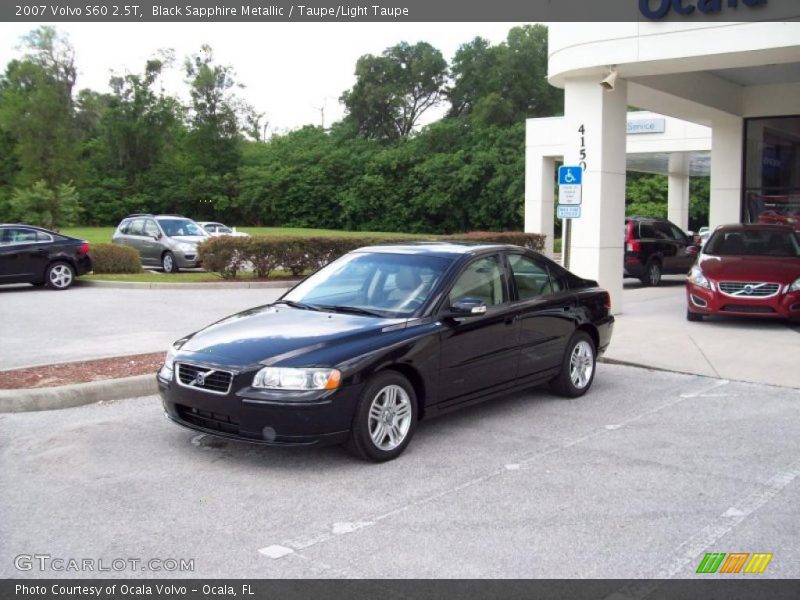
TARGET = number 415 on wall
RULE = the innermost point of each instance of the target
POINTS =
(582, 150)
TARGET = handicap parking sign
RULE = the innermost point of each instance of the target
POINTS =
(570, 175)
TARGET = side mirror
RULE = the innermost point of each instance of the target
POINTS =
(467, 307)
(691, 250)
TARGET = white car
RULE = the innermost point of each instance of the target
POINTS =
(218, 229)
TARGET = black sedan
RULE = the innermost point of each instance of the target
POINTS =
(34, 255)
(385, 336)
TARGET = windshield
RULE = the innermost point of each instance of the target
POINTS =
(173, 227)
(755, 242)
(391, 285)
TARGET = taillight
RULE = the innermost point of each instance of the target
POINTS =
(631, 244)
(84, 249)
(607, 301)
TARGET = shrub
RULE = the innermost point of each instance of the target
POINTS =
(534, 241)
(113, 258)
(225, 255)
(228, 255)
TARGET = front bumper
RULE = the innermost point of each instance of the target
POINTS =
(187, 260)
(263, 417)
(784, 305)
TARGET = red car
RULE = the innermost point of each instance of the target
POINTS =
(746, 270)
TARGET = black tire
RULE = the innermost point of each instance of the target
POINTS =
(690, 316)
(59, 275)
(652, 275)
(563, 384)
(361, 442)
(168, 263)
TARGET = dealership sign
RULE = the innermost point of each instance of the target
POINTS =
(646, 126)
(658, 9)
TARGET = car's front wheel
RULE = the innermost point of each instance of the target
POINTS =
(168, 263)
(385, 418)
(577, 367)
(59, 276)
(690, 316)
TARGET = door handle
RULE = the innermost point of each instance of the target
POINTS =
(567, 308)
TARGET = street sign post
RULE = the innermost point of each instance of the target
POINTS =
(568, 212)
(570, 196)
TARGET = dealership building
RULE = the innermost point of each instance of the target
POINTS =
(718, 99)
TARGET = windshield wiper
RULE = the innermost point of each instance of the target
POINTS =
(349, 309)
(301, 305)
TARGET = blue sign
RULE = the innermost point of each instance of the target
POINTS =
(658, 9)
(568, 212)
(570, 175)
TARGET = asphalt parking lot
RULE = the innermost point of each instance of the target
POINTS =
(44, 327)
(639, 478)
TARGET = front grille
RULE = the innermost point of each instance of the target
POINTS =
(208, 420)
(206, 379)
(747, 289)
(748, 308)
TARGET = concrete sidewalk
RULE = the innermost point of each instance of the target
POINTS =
(653, 331)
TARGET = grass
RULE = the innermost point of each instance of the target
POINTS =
(100, 235)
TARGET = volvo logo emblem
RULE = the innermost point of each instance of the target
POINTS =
(748, 289)
(199, 379)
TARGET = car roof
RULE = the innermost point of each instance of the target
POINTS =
(756, 227)
(442, 249)
(31, 227)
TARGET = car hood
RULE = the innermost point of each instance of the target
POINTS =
(750, 268)
(272, 334)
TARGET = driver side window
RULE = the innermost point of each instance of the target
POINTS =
(482, 280)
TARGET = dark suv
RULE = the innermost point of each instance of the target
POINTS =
(166, 241)
(655, 247)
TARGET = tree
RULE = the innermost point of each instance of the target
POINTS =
(45, 206)
(504, 84)
(394, 90)
(37, 111)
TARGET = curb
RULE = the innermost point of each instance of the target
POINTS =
(77, 394)
(210, 285)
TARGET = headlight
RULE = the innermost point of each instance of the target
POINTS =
(187, 247)
(169, 361)
(279, 378)
(696, 277)
(795, 287)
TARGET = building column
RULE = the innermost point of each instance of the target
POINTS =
(678, 190)
(726, 170)
(597, 237)
(539, 189)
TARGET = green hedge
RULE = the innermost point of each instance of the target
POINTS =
(113, 258)
(229, 255)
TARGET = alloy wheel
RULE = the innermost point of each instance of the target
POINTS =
(60, 276)
(581, 364)
(389, 417)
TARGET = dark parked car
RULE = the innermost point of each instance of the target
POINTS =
(747, 270)
(384, 336)
(34, 255)
(656, 247)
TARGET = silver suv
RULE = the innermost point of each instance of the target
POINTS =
(166, 241)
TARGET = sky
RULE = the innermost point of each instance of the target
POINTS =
(290, 70)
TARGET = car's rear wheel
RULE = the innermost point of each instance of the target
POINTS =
(690, 316)
(652, 277)
(168, 263)
(59, 275)
(577, 367)
(385, 418)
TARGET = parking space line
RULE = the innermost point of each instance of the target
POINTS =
(690, 550)
(340, 529)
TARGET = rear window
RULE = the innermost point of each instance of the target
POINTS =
(753, 243)
(646, 230)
